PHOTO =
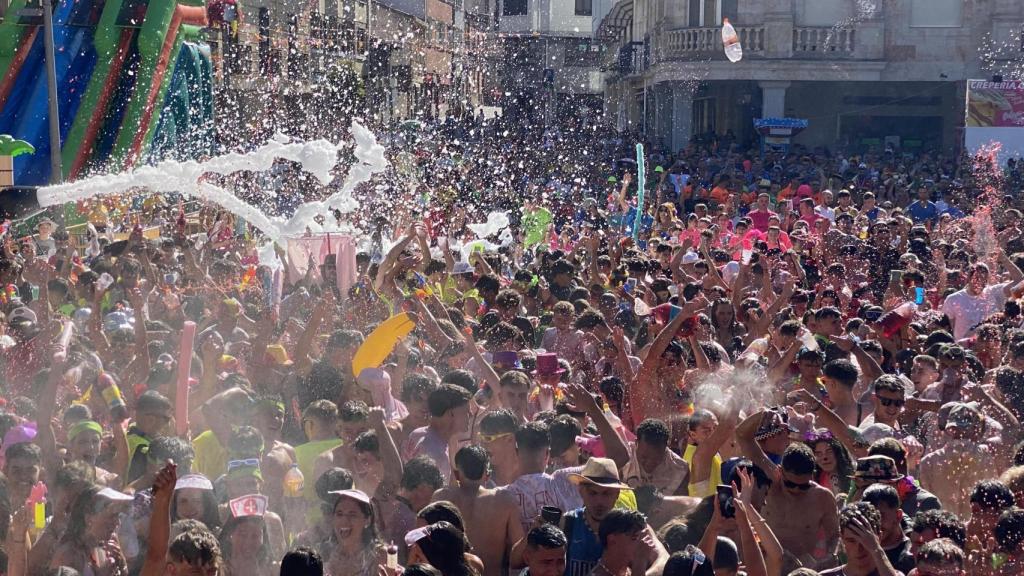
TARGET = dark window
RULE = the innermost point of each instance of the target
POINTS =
(584, 8)
(583, 52)
(515, 8)
(695, 13)
(730, 9)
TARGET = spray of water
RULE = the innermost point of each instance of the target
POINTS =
(318, 157)
(988, 181)
(864, 9)
(1003, 58)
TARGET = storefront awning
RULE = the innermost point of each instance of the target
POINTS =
(618, 19)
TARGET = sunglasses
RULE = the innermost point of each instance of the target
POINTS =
(494, 437)
(802, 487)
(890, 401)
(247, 463)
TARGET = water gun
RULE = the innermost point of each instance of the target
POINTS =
(9, 292)
(37, 498)
(250, 273)
(424, 289)
(112, 396)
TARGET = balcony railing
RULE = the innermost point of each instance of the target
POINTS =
(296, 55)
(826, 42)
(707, 42)
(632, 59)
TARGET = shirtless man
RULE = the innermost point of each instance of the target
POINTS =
(497, 434)
(352, 421)
(278, 456)
(415, 390)
(952, 471)
(798, 510)
(661, 509)
(492, 518)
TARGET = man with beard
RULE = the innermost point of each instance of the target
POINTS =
(967, 308)
(599, 486)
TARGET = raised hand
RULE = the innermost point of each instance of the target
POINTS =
(581, 399)
(166, 478)
(376, 417)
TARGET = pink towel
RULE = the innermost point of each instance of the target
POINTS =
(346, 254)
(300, 250)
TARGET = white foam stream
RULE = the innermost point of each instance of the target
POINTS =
(318, 157)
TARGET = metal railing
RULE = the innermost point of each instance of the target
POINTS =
(299, 56)
(632, 59)
(831, 42)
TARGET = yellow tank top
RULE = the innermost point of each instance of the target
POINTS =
(707, 489)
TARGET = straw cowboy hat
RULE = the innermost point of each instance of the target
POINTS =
(599, 472)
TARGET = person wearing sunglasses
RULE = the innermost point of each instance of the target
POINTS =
(491, 517)
(497, 436)
(801, 512)
(889, 398)
(244, 477)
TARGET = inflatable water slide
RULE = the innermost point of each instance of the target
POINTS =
(134, 83)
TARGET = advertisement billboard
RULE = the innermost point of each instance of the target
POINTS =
(995, 104)
(995, 114)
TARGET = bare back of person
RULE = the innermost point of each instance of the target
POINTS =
(492, 524)
(951, 472)
(669, 508)
(275, 464)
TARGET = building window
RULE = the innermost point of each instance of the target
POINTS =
(709, 13)
(936, 13)
(514, 8)
(823, 12)
(584, 8)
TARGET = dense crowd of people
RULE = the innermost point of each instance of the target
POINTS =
(769, 363)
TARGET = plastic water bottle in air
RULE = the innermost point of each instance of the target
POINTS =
(731, 41)
(894, 320)
(294, 482)
(807, 339)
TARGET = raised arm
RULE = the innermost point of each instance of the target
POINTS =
(641, 397)
(745, 433)
(47, 407)
(389, 456)
(622, 362)
(778, 370)
(160, 522)
(868, 365)
(770, 546)
(753, 557)
(830, 420)
(392, 257)
(490, 375)
(324, 310)
(614, 446)
(701, 463)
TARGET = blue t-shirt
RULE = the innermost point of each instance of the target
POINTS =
(584, 548)
(921, 212)
(645, 222)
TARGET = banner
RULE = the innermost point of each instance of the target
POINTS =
(995, 104)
